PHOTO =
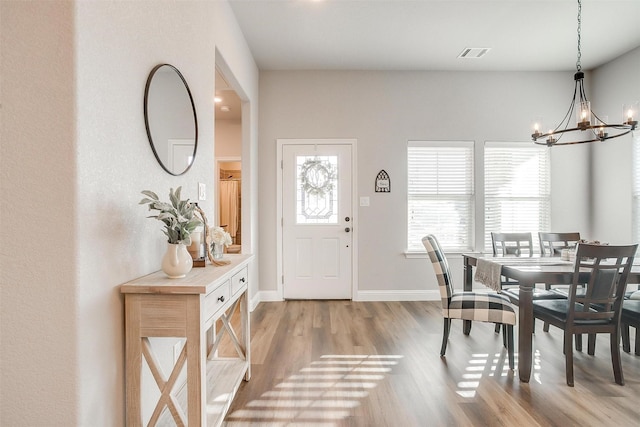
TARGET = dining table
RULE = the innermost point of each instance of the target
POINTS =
(527, 271)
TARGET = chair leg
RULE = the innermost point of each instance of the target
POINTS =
(591, 344)
(505, 342)
(637, 342)
(497, 330)
(509, 329)
(615, 357)
(445, 335)
(578, 342)
(545, 327)
(568, 355)
(626, 338)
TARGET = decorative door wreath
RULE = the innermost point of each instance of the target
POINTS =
(316, 177)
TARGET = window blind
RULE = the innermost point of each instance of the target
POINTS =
(440, 194)
(517, 189)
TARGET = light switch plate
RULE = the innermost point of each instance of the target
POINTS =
(202, 191)
(364, 201)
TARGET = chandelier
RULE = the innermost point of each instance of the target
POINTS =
(589, 127)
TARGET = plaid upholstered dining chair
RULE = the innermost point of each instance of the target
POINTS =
(468, 305)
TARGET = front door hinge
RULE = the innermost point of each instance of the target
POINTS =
(283, 279)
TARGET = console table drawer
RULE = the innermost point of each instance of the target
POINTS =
(216, 299)
(239, 280)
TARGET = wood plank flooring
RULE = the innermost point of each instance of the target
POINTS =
(344, 363)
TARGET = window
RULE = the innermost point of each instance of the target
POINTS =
(440, 194)
(635, 209)
(517, 189)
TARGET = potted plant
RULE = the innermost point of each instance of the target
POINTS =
(179, 222)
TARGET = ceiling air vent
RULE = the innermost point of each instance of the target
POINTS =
(474, 52)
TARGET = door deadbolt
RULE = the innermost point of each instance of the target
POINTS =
(347, 229)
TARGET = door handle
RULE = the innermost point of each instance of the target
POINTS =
(347, 229)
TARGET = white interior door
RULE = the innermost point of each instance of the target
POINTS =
(180, 153)
(317, 221)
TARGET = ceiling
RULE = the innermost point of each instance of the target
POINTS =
(523, 35)
(228, 98)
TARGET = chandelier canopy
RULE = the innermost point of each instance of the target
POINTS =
(589, 127)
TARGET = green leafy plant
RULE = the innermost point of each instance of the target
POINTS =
(177, 216)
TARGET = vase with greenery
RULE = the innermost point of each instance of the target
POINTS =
(179, 222)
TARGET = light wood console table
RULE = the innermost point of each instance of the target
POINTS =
(189, 308)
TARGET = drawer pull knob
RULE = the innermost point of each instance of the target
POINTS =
(242, 280)
(221, 298)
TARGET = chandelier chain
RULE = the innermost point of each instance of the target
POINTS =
(589, 126)
(578, 64)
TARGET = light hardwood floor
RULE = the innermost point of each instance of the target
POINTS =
(344, 363)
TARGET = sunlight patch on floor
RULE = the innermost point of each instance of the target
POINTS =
(477, 366)
(328, 388)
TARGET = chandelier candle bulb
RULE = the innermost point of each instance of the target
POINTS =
(631, 113)
(537, 125)
(584, 114)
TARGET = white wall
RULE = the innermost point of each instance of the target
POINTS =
(383, 110)
(616, 84)
(75, 157)
(228, 138)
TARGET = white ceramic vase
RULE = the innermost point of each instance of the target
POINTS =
(177, 261)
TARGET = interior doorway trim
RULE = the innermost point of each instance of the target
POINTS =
(354, 207)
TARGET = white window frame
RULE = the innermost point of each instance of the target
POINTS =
(414, 233)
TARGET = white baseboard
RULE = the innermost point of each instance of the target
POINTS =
(264, 296)
(397, 296)
(274, 296)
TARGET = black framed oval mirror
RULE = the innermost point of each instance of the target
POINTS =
(170, 118)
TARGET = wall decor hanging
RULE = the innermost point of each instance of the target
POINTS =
(383, 182)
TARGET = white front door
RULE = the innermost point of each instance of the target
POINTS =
(317, 221)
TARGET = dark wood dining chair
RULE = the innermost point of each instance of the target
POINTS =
(468, 305)
(630, 318)
(552, 244)
(595, 308)
(511, 244)
(517, 244)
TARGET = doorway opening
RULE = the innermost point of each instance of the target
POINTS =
(228, 154)
(230, 201)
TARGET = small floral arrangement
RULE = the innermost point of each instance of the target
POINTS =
(177, 216)
(219, 236)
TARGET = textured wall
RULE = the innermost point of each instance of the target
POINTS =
(39, 348)
(75, 157)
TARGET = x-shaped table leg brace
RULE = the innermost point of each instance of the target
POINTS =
(165, 386)
(226, 327)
